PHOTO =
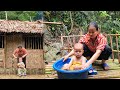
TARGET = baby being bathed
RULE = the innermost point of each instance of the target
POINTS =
(77, 60)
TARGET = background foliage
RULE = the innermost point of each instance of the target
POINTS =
(108, 21)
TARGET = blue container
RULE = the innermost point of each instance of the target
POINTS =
(66, 74)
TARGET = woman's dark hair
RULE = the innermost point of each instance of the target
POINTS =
(94, 24)
(19, 46)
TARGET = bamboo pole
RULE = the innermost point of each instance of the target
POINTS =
(71, 22)
(112, 47)
(66, 48)
(117, 48)
(74, 40)
(69, 43)
(62, 39)
(74, 36)
(44, 22)
(6, 15)
(113, 34)
(52, 23)
(116, 51)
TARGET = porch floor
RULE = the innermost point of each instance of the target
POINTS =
(113, 73)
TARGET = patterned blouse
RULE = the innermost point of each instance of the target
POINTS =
(98, 44)
(20, 53)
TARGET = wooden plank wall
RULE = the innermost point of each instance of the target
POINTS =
(2, 58)
(12, 42)
(35, 59)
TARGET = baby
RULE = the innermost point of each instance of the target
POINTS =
(77, 60)
(21, 68)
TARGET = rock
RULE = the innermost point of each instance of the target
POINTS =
(50, 52)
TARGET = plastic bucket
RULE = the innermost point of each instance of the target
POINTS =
(66, 74)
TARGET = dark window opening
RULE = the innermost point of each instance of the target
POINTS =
(1, 41)
(33, 42)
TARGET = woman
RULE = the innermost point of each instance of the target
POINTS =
(20, 52)
(95, 47)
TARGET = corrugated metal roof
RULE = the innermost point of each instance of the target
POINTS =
(9, 26)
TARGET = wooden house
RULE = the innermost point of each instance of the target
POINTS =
(28, 34)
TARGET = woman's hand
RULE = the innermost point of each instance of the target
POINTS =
(15, 57)
(85, 66)
(68, 55)
(65, 57)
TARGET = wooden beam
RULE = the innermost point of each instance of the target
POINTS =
(116, 51)
(52, 23)
(73, 36)
(113, 34)
(66, 48)
(44, 22)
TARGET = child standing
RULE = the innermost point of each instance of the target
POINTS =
(21, 68)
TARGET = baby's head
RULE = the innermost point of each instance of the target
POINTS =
(20, 59)
(78, 49)
(21, 65)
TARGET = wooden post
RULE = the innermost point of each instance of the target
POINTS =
(112, 48)
(69, 43)
(74, 40)
(62, 43)
(117, 47)
(6, 15)
(62, 39)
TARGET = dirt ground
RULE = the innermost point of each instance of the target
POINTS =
(26, 77)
